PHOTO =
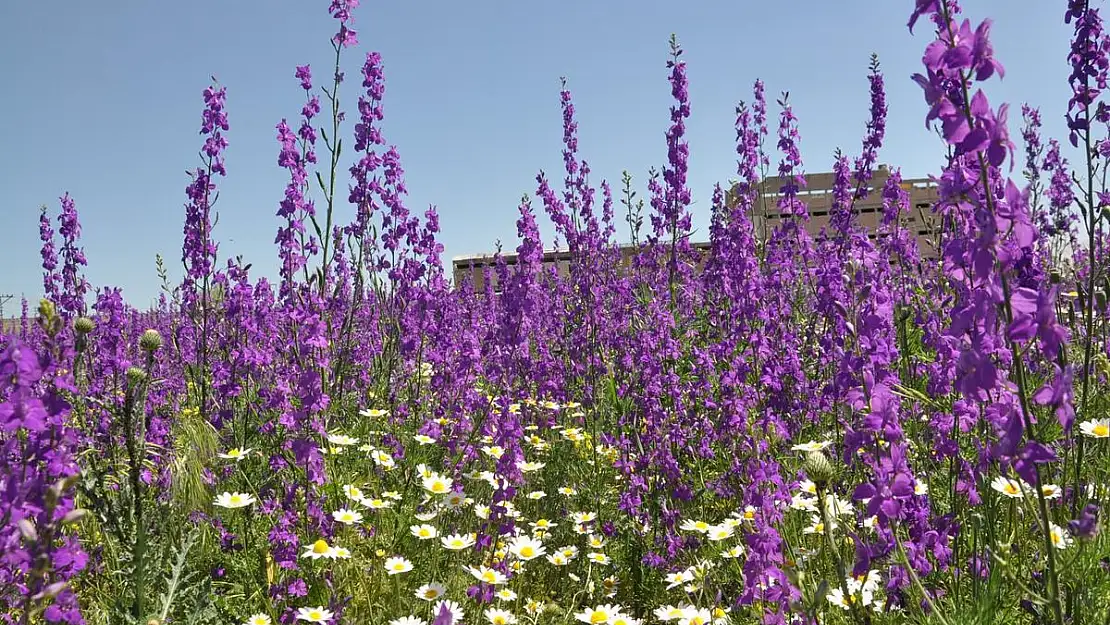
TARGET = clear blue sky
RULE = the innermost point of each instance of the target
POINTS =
(104, 102)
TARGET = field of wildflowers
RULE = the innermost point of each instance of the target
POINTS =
(808, 429)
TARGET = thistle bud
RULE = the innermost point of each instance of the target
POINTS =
(83, 325)
(135, 376)
(151, 341)
(818, 468)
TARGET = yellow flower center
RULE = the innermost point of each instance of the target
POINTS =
(315, 614)
(527, 551)
(1011, 489)
(431, 593)
(1101, 429)
(597, 616)
(489, 577)
(499, 620)
(320, 546)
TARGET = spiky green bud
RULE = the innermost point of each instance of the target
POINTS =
(83, 325)
(151, 341)
(819, 469)
(135, 376)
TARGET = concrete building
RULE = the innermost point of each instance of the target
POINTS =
(818, 198)
(765, 215)
(474, 266)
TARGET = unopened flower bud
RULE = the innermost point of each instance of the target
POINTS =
(1106, 212)
(1054, 276)
(83, 325)
(151, 341)
(135, 376)
(46, 309)
(1100, 299)
(818, 468)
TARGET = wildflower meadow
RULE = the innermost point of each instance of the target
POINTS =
(782, 427)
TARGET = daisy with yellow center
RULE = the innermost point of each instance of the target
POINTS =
(234, 500)
(506, 595)
(527, 548)
(314, 615)
(431, 591)
(812, 446)
(487, 575)
(497, 616)
(669, 613)
(1061, 539)
(424, 439)
(1096, 428)
(457, 542)
(1051, 491)
(373, 413)
(346, 516)
(719, 532)
(382, 459)
(598, 615)
(397, 565)
(236, 454)
(696, 616)
(424, 532)
(691, 525)
(1008, 487)
(558, 559)
(342, 440)
(377, 504)
(258, 619)
(494, 451)
(732, 552)
(437, 484)
(320, 549)
(598, 558)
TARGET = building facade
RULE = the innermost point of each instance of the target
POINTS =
(765, 216)
(818, 197)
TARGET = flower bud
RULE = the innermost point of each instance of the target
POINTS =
(1054, 276)
(1100, 299)
(46, 309)
(151, 341)
(83, 325)
(818, 468)
(135, 376)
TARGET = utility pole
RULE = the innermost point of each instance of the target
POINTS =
(4, 299)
